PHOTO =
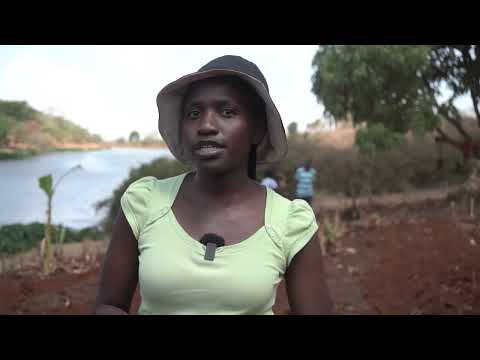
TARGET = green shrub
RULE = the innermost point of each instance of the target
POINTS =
(6, 123)
(19, 110)
(408, 165)
(17, 238)
(377, 138)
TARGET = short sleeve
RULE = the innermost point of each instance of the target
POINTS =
(134, 202)
(300, 227)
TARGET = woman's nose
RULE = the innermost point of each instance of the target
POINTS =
(208, 123)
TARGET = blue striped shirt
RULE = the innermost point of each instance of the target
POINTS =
(305, 180)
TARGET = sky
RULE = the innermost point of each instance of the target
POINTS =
(111, 90)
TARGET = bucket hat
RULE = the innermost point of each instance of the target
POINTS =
(273, 146)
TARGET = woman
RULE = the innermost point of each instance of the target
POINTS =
(222, 121)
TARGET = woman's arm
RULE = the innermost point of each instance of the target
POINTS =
(120, 271)
(305, 281)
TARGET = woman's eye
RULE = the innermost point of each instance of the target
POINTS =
(193, 114)
(228, 112)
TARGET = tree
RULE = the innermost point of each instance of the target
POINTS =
(457, 67)
(11, 113)
(134, 136)
(19, 110)
(5, 125)
(96, 138)
(293, 129)
(152, 138)
(376, 138)
(398, 86)
(374, 84)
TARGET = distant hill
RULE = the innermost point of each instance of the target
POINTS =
(23, 127)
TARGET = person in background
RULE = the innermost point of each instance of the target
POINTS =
(305, 178)
(269, 180)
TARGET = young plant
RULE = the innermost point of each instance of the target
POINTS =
(61, 232)
(332, 230)
(46, 253)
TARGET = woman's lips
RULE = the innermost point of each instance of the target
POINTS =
(209, 151)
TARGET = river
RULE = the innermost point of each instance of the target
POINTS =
(22, 201)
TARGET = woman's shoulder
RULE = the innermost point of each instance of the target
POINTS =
(148, 184)
(145, 195)
(145, 183)
(284, 210)
(295, 222)
(278, 200)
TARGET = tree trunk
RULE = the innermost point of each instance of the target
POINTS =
(472, 76)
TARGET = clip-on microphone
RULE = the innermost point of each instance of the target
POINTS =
(211, 241)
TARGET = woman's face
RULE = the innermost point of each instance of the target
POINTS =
(217, 127)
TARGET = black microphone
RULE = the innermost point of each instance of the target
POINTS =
(211, 241)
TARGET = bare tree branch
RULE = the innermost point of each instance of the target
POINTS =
(475, 107)
(453, 121)
(447, 139)
(472, 80)
(444, 111)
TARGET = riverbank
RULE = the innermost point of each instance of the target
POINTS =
(10, 154)
(23, 151)
(138, 145)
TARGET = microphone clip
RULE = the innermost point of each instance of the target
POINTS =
(211, 241)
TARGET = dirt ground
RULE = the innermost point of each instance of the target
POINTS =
(398, 258)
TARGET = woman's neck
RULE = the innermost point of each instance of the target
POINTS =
(219, 185)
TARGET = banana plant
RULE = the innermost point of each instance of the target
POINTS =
(46, 251)
(61, 232)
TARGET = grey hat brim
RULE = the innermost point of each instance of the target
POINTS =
(273, 147)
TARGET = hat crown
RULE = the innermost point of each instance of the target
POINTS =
(236, 63)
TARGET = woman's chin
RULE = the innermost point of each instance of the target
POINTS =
(212, 166)
(215, 168)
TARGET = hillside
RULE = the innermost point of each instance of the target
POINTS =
(23, 128)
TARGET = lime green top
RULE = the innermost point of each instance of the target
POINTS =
(174, 278)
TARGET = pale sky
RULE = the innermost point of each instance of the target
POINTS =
(111, 90)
